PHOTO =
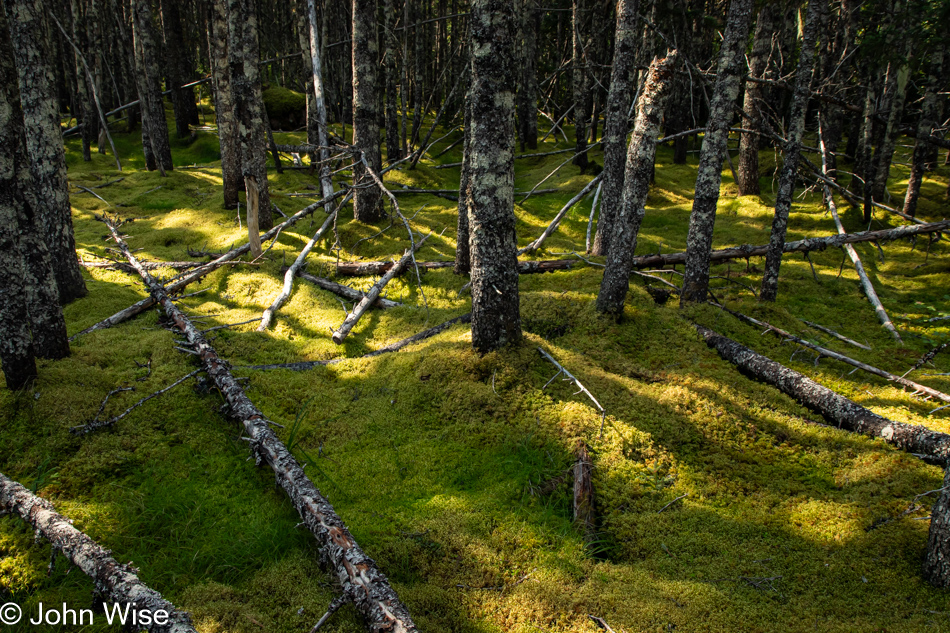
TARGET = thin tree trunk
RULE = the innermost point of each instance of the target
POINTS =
(754, 101)
(528, 87)
(929, 112)
(580, 82)
(937, 562)
(174, 77)
(863, 154)
(319, 101)
(885, 153)
(463, 260)
(619, 98)
(84, 110)
(393, 148)
(418, 66)
(367, 203)
(496, 320)
(792, 152)
(636, 185)
(248, 100)
(224, 106)
(703, 217)
(44, 143)
(150, 89)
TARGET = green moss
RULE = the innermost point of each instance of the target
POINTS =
(287, 109)
(453, 470)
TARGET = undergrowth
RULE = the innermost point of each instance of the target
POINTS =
(453, 470)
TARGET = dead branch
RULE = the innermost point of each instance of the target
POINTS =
(347, 292)
(113, 581)
(536, 244)
(830, 332)
(570, 377)
(357, 269)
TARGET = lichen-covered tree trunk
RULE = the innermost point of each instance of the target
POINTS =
(580, 82)
(747, 169)
(248, 100)
(223, 105)
(463, 260)
(496, 320)
(713, 152)
(864, 152)
(150, 96)
(929, 111)
(183, 100)
(937, 561)
(318, 102)
(636, 184)
(622, 78)
(885, 151)
(792, 152)
(530, 21)
(393, 148)
(44, 143)
(367, 203)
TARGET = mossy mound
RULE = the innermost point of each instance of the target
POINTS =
(286, 109)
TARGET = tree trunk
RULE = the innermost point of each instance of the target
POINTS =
(863, 161)
(463, 260)
(754, 102)
(792, 152)
(929, 112)
(393, 148)
(248, 100)
(843, 413)
(636, 184)
(619, 97)
(885, 153)
(703, 217)
(580, 82)
(182, 99)
(224, 106)
(367, 203)
(496, 320)
(937, 562)
(85, 114)
(150, 88)
(319, 101)
(44, 143)
(528, 87)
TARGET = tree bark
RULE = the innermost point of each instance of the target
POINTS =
(843, 413)
(619, 98)
(84, 111)
(224, 106)
(463, 258)
(929, 113)
(580, 82)
(44, 143)
(703, 217)
(636, 185)
(319, 100)
(937, 561)
(754, 102)
(792, 152)
(183, 99)
(248, 100)
(367, 203)
(150, 90)
(393, 148)
(528, 87)
(496, 320)
(113, 581)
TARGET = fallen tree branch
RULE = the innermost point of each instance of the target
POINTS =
(113, 581)
(932, 446)
(109, 265)
(357, 269)
(346, 292)
(362, 583)
(570, 377)
(536, 244)
(830, 332)
(373, 293)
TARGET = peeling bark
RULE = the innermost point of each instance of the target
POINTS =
(636, 185)
(703, 217)
(843, 413)
(113, 581)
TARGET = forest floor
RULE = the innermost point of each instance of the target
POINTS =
(453, 470)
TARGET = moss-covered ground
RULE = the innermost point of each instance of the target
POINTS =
(452, 470)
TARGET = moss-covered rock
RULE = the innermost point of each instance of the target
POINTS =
(286, 109)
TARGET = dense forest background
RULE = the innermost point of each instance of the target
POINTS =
(563, 316)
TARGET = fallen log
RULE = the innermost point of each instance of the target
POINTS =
(357, 269)
(823, 351)
(801, 246)
(113, 581)
(931, 446)
(347, 292)
(362, 583)
(373, 293)
(147, 265)
(392, 347)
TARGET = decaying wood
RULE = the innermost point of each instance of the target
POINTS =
(357, 269)
(932, 446)
(360, 308)
(114, 582)
(583, 490)
(392, 347)
(840, 337)
(346, 292)
(823, 351)
(937, 561)
(803, 246)
(109, 265)
(536, 244)
(362, 583)
(570, 377)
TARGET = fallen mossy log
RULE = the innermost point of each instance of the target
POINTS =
(929, 445)
(362, 583)
(113, 581)
(347, 292)
(801, 246)
(392, 347)
(357, 269)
